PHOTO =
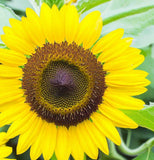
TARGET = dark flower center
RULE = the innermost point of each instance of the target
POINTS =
(63, 83)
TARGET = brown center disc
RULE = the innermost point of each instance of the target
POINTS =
(63, 83)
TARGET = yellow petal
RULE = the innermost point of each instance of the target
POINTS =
(3, 138)
(33, 27)
(21, 124)
(128, 61)
(10, 95)
(108, 41)
(16, 43)
(57, 28)
(10, 114)
(19, 31)
(12, 58)
(117, 116)
(8, 105)
(9, 88)
(89, 29)
(71, 21)
(52, 22)
(116, 50)
(127, 78)
(86, 142)
(127, 90)
(122, 101)
(6, 98)
(76, 150)
(5, 151)
(29, 137)
(97, 137)
(63, 148)
(36, 150)
(48, 145)
(7, 85)
(46, 20)
(106, 127)
(10, 72)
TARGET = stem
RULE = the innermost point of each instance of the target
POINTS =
(114, 153)
(128, 138)
(148, 153)
(133, 152)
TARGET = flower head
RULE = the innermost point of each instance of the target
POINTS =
(62, 88)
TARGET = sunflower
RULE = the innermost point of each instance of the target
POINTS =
(62, 89)
(5, 151)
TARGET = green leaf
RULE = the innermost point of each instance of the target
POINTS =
(135, 17)
(53, 157)
(148, 66)
(37, 2)
(5, 14)
(2, 1)
(144, 117)
(18, 5)
(2, 45)
(85, 157)
(100, 8)
(145, 156)
(83, 6)
(4, 128)
(58, 3)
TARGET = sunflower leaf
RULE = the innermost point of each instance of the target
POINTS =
(5, 14)
(145, 156)
(83, 6)
(144, 117)
(18, 8)
(136, 18)
(2, 1)
(58, 3)
(15, 5)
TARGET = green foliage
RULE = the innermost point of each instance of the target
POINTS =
(59, 3)
(136, 17)
(53, 157)
(18, 8)
(83, 6)
(2, 1)
(2, 45)
(147, 155)
(37, 2)
(18, 5)
(144, 117)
